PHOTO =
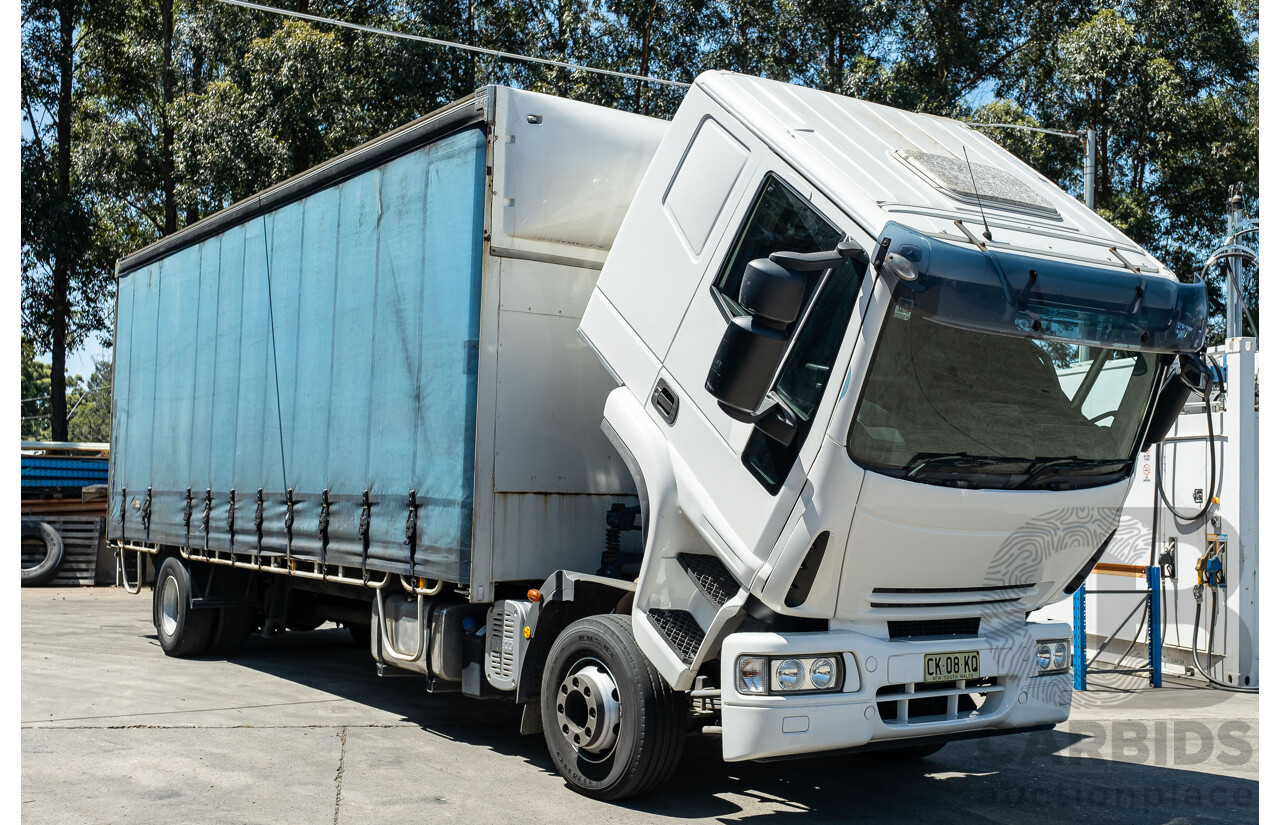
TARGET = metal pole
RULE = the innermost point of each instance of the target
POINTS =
(1235, 216)
(1090, 165)
(1079, 638)
(1155, 645)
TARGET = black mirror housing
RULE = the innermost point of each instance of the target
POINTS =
(1170, 400)
(772, 292)
(748, 356)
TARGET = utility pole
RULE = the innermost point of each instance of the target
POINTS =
(1090, 164)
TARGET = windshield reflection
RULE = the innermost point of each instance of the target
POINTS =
(944, 405)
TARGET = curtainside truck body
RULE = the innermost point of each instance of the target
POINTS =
(773, 422)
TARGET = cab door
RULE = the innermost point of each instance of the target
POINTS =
(738, 485)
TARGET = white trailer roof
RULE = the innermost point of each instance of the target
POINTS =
(882, 164)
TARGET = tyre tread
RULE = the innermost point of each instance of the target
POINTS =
(54, 552)
(661, 731)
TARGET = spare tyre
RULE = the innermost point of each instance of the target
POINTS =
(47, 567)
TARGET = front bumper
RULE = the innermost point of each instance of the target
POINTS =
(877, 704)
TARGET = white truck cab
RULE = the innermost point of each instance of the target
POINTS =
(864, 462)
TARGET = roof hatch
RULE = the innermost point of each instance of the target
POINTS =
(996, 187)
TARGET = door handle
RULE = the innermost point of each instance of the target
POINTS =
(665, 401)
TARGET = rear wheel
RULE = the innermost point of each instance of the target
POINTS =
(614, 727)
(182, 631)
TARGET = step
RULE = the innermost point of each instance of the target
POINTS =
(711, 577)
(679, 629)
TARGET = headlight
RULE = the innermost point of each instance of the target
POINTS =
(822, 674)
(751, 674)
(760, 675)
(789, 674)
(1052, 656)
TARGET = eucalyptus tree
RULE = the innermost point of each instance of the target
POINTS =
(1171, 88)
(65, 265)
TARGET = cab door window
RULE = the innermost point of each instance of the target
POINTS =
(780, 220)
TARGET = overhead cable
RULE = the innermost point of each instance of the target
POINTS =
(453, 45)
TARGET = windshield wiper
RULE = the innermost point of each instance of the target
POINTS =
(953, 462)
(1054, 466)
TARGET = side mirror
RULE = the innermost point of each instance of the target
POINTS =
(1192, 375)
(752, 345)
(751, 349)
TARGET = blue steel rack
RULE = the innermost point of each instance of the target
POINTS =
(1150, 598)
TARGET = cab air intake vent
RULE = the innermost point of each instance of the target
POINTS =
(803, 582)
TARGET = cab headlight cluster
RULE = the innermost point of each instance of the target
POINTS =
(1052, 656)
(793, 674)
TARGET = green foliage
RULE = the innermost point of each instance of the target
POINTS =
(35, 395)
(90, 402)
(90, 406)
(181, 107)
(1172, 88)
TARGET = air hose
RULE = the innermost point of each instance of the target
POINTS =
(1195, 646)
(1213, 460)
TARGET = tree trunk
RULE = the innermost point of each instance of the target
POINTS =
(61, 266)
(642, 100)
(197, 87)
(166, 126)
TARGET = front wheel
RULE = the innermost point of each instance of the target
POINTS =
(614, 727)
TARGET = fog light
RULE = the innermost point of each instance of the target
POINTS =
(790, 674)
(822, 674)
(751, 674)
(1060, 656)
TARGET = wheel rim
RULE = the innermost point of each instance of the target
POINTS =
(588, 710)
(169, 606)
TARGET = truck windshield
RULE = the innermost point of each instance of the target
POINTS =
(952, 406)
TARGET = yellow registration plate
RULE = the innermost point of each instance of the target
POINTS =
(952, 667)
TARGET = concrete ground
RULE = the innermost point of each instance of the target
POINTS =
(299, 729)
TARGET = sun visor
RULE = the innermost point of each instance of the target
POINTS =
(1030, 297)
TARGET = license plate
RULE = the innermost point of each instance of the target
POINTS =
(952, 667)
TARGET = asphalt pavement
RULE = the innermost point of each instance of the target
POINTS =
(300, 729)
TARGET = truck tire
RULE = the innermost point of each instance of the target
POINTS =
(614, 727)
(48, 567)
(182, 631)
(910, 753)
(231, 629)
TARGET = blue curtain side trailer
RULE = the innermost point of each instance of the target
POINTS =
(373, 367)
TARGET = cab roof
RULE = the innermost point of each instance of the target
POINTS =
(882, 164)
